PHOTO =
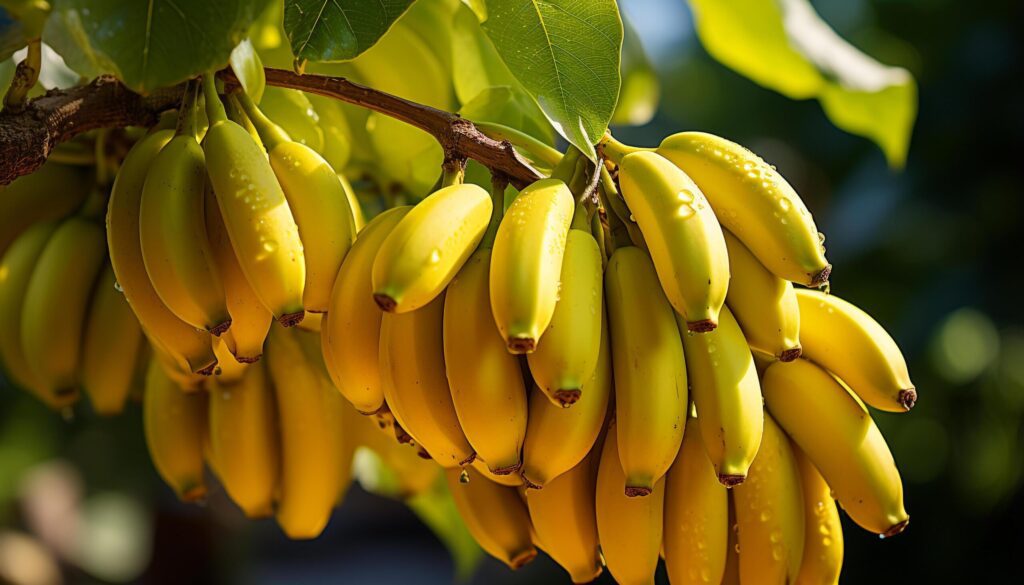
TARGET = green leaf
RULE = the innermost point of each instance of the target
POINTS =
(638, 95)
(436, 508)
(148, 44)
(785, 46)
(510, 107)
(338, 30)
(248, 67)
(475, 58)
(566, 54)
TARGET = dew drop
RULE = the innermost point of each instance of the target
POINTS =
(118, 287)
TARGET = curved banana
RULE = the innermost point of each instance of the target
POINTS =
(174, 422)
(526, 263)
(425, 251)
(845, 340)
(823, 542)
(682, 234)
(650, 373)
(350, 332)
(841, 440)
(495, 516)
(485, 379)
(51, 192)
(754, 202)
(764, 304)
(727, 395)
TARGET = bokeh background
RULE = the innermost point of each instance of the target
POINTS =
(931, 250)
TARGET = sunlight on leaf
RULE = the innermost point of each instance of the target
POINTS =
(338, 30)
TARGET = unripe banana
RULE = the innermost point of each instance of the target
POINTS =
(350, 333)
(174, 422)
(650, 373)
(727, 394)
(682, 234)
(51, 192)
(754, 202)
(764, 304)
(495, 516)
(841, 440)
(110, 349)
(292, 110)
(770, 513)
(823, 541)
(848, 342)
(425, 251)
(526, 264)
(486, 382)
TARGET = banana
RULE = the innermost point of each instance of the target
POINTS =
(727, 395)
(764, 304)
(244, 440)
(629, 529)
(350, 333)
(526, 262)
(563, 516)
(486, 382)
(358, 217)
(183, 343)
(425, 251)
(56, 305)
(414, 475)
(110, 349)
(51, 192)
(650, 373)
(823, 542)
(337, 147)
(841, 440)
(174, 423)
(495, 516)
(754, 202)
(508, 480)
(228, 370)
(731, 574)
(256, 214)
(770, 513)
(567, 354)
(845, 340)
(696, 516)
(415, 386)
(293, 111)
(682, 234)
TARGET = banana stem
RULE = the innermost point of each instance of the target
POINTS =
(187, 115)
(615, 150)
(539, 151)
(617, 226)
(25, 77)
(453, 172)
(498, 185)
(214, 108)
(237, 115)
(271, 133)
(578, 185)
(566, 167)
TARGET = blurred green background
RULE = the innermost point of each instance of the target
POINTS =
(929, 250)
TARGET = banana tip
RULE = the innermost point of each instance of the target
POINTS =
(507, 470)
(896, 529)
(247, 359)
(567, 397)
(423, 454)
(220, 328)
(907, 398)
(468, 460)
(731, 481)
(386, 303)
(291, 319)
(702, 326)
(195, 493)
(529, 484)
(790, 355)
(522, 345)
(518, 560)
(822, 276)
(208, 370)
(637, 491)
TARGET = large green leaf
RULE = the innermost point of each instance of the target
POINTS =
(338, 30)
(148, 44)
(566, 54)
(785, 46)
(475, 58)
(638, 96)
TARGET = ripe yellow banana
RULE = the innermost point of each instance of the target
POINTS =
(566, 356)
(526, 264)
(57, 303)
(823, 542)
(423, 253)
(495, 516)
(727, 394)
(770, 513)
(51, 192)
(228, 370)
(190, 348)
(350, 333)
(848, 342)
(682, 234)
(696, 516)
(174, 422)
(510, 480)
(764, 304)
(841, 440)
(731, 574)
(486, 382)
(415, 385)
(754, 202)
(629, 529)
(110, 349)
(650, 373)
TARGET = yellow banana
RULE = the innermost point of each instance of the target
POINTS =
(682, 234)
(51, 192)
(727, 394)
(841, 440)
(731, 574)
(770, 513)
(823, 542)
(764, 304)
(57, 302)
(172, 368)
(495, 516)
(358, 217)
(350, 333)
(629, 529)
(754, 202)
(415, 385)
(486, 382)
(566, 356)
(174, 422)
(228, 370)
(110, 348)
(696, 516)
(845, 340)
(650, 373)
(182, 342)
(509, 480)
(527, 262)
(423, 253)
